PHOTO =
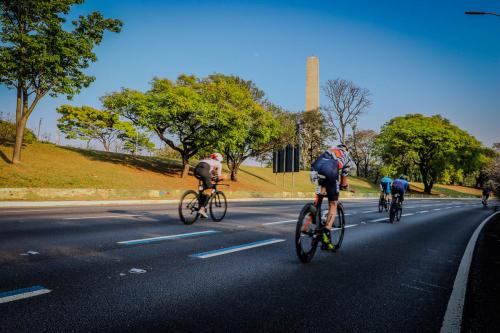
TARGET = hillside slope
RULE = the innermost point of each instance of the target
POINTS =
(49, 166)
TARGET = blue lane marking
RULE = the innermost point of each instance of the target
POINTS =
(161, 238)
(236, 248)
(20, 291)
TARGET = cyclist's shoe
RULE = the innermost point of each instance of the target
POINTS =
(326, 240)
(203, 214)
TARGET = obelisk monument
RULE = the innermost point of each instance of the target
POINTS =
(312, 84)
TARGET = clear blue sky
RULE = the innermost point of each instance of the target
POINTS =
(414, 56)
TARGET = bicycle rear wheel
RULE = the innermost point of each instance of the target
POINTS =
(392, 212)
(218, 206)
(306, 238)
(188, 207)
(337, 232)
(399, 212)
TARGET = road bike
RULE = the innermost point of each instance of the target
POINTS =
(484, 201)
(308, 233)
(396, 209)
(189, 205)
(383, 204)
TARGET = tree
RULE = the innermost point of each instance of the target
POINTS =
(494, 174)
(362, 149)
(135, 141)
(87, 123)
(188, 115)
(432, 144)
(347, 103)
(39, 57)
(314, 136)
(258, 127)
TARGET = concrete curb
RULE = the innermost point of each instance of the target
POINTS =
(69, 203)
(452, 321)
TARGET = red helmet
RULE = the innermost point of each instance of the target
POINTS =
(216, 156)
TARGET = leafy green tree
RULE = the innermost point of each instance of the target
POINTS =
(38, 56)
(188, 115)
(135, 141)
(257, 127)
(87, 123)
(432, 144)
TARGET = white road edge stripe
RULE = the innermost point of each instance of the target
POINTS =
(452, 322)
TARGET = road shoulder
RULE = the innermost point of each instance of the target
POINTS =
(482, 300)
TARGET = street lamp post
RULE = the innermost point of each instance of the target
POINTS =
(481, 13)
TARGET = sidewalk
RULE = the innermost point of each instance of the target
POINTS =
(482, 300)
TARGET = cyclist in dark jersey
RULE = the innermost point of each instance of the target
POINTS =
(334, 162)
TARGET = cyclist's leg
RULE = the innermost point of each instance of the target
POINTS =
(332, 190)
(202, 172)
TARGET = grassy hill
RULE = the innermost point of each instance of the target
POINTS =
(50, 166)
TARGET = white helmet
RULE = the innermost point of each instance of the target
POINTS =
(216, 156)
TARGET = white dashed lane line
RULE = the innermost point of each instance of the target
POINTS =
(237, 248)
(161, 238)
(14, 295)
(100, 217)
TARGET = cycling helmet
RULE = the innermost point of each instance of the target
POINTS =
(343, 147)
(216, 156)
(403, 177)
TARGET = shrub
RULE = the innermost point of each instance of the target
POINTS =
(8, 133)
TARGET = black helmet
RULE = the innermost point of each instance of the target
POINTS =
(403, 177)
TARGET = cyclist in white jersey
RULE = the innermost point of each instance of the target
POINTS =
(208, 169)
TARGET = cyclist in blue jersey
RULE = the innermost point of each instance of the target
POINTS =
(385, 187)
(400, 186)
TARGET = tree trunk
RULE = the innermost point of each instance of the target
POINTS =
(20, 126)
(16, 158)
(234, 174)
(185, 167)
(425, 180)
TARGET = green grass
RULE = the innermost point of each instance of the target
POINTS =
(50, 166)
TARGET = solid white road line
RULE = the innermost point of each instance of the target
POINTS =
(100, 217)
(452, 321)
(209, 254)
(14, 295)
(160, 238)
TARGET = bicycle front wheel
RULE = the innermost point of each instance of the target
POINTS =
(188, 207)
(381, 205)
(306, 238)
(218, 206)
(337, 232)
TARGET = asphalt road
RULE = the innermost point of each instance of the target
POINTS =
(385, 278)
